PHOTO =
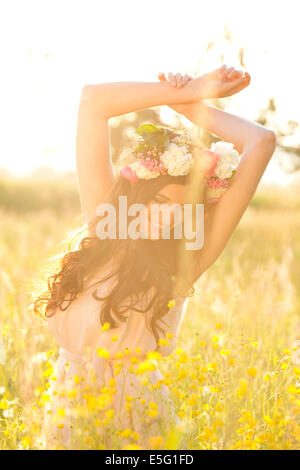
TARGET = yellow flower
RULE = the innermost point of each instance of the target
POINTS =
(154, 355)
(3, 404)
(26, 442)
(156, 442)
(105, 326)
(72, 393)
(51, 352)
(163, 342)
(182, 373)
(252, 372)
(171, 303)
(219, 406)
(225, 352)
(48, 372)
(115, 337)
(112, 382)
(110, 413)
(126, 433)
(61, 413)
(242, 389)
(192, 401)
(145, 366)
(102, 352)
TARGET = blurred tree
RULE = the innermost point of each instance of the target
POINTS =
(226, 49)
(122, 127)
(267, 117)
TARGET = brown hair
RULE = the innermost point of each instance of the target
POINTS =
(148, 264)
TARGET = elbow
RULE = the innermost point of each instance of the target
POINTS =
(270, 138)
(87, 92)
(266, 140)
(93, 97)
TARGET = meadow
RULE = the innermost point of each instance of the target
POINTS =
(233, 376)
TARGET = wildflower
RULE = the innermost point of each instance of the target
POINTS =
(102, 352)
(163, 342)
(105, 326)
(61, 413)
(171, 303)
(51, 352)
(26, 442)
(242, 389)
(252, 372)
(156, 442)
(154, 355)
(192, 401)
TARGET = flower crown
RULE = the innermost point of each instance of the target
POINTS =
(160, 151)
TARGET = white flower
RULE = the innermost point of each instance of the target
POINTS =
(188, 136)
(143, 172)
(125, 159)
(228, 161)
(223, 171)
(177, 160)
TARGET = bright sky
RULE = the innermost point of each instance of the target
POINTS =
(51, 48)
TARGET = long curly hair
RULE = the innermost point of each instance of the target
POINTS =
(141, 266)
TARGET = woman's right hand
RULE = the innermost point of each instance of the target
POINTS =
(220, 83)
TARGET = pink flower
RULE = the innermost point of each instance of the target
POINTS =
(129, 174)
(215, 183)
(214, 161)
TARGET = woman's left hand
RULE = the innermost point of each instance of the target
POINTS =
(220, 83)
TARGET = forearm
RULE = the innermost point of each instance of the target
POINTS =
(115, 99)
(227, 126)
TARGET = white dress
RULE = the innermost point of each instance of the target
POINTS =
(79, 335)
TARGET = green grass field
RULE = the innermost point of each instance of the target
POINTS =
(232, 377)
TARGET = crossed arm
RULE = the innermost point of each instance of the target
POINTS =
(98, 103)
(255, 143)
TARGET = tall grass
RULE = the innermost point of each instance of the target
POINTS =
(231, 376)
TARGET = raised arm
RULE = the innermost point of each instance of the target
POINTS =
(253, 141)
(256, 145)
(99, 103)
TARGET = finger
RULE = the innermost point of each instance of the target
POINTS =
(184, 79)
(247, 76)
(162, 77)
(219, 70)
(229, 73)
(172, 79)
(178, 79)
(237, 74)
(223, 71)
(237, 85)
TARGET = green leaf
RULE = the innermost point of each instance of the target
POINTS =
(147, 129)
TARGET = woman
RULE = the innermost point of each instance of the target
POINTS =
(114, 300)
